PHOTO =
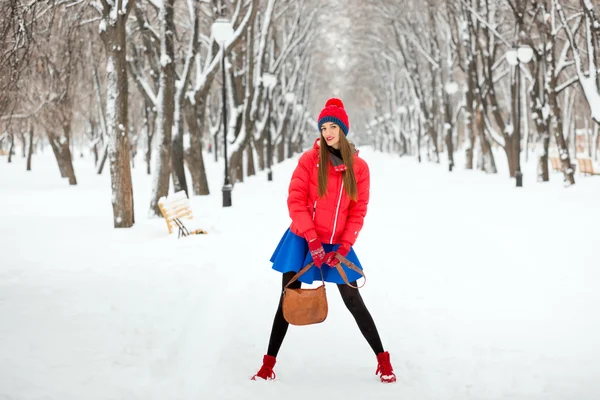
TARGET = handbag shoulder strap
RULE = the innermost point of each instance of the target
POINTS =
(301, 272)
(339, 268)
(352, 266)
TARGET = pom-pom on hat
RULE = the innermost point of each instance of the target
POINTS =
(334, 112)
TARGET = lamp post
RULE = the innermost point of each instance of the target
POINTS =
(515, 57)
(222, 31)
(451, 88)
(269, 81)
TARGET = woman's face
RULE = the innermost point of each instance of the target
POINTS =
(331, 132)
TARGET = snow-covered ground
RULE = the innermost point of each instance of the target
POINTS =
(479, 290)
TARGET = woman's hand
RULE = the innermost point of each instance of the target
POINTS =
(317, 252)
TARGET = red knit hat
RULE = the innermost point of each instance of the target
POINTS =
(334, 112)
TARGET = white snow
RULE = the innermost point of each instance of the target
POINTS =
(479, 290)
(592, 94)
(110, 66)
(113, 15)
(588, 4)
(165, 60)
(156, 3)
(102, 25)
(545, 111)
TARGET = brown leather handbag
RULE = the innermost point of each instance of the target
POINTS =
(309, 306)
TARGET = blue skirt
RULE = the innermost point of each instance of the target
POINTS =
(292, 254)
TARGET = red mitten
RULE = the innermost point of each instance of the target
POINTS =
(332, 260)
(344, 249)
(317, 252)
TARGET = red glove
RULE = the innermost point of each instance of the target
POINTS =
(317, 252)
(332, 260)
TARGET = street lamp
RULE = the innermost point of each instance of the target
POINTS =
(516, 56)
(269, 80)
(222, 32)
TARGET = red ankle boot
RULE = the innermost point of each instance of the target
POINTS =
(266, 371)
(384, 368)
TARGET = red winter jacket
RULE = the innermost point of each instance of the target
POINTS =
(334, 218)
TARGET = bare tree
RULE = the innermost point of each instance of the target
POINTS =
(589, 77)
(113, 33)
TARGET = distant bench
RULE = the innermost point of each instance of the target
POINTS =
(586, 167)
(556, 164)
(174, 208)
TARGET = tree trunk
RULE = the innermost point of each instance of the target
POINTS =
(148, 156)
(236, 168)
(177, 168)
(597, 141)
(150, 122)
(469, 121)
(290, 147)
(194, 156)
(56, 149)
(402, 150)
(261, 151)
(166, 98)
(119, 149)
(23, 144)
(103, 160)
(94, 137)
(62, 151)
(419, 141)
(282, 141)
(449, 130)
(542, 169)
(67, 156)
(11, 148)
(561, 144)
(509, 149)
(488, 163)
(541, 125)
(250, 169)
(30, 149)
(554, 117)
(216, 146)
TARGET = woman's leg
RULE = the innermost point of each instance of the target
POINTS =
(356, 306)
(280, 325)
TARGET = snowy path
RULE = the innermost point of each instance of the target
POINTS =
(474, 290)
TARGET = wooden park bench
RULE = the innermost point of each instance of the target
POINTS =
(556, 164)
(176, 208)
(585, 166)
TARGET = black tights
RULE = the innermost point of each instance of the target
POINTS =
(355, 305)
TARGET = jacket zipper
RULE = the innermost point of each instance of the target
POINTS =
(314, 209)
(337, 209)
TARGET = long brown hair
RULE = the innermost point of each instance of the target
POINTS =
(347, 151)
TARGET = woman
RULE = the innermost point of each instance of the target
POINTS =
(327, 202)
